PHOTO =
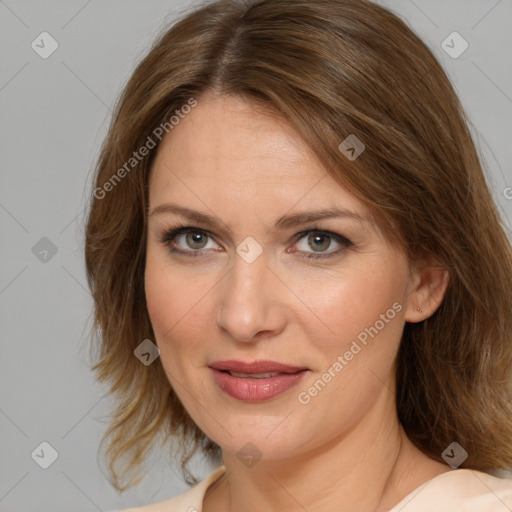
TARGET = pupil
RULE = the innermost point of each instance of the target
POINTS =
(318, 242)
(195, 238)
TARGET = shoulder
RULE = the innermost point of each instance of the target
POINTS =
(189, 501)
(464, 490)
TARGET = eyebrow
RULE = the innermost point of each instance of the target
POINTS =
(284, 222)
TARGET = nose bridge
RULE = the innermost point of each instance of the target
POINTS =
(250, 276)
(248, 302)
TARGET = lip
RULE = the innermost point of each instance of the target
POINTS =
(250, 389)
(255, 366)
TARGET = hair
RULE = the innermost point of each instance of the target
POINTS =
(330, 68)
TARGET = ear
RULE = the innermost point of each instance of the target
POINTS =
(428, 286)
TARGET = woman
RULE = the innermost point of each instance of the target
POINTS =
(298, 269)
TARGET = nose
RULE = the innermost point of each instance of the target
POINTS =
(251, 301)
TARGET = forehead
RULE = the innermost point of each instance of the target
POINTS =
(225, 150)
(227, 137)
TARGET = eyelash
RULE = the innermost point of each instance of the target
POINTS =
(168, 237)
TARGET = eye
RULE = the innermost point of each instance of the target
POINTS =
(319, 241)
(187, 240)
(190, 241)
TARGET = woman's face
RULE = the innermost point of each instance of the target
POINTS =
(259, 282)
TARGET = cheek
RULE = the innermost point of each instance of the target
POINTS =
(348, 304)
(365, 312)
(161, 299)
(177, 309)
(164, 308)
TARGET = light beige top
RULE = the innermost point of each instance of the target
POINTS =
(460, 490)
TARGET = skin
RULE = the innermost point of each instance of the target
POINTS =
(345, 449)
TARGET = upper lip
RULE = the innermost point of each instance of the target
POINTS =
(255, 366)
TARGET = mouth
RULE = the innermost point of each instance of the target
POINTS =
(256, 381)
(255, 367)
(252, 375)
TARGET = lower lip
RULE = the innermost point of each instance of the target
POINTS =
(256, 390)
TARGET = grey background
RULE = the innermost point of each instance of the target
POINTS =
(54, 114)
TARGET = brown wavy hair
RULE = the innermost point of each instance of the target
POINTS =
(331, 68)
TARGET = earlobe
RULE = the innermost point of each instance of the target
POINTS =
(428, 294)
